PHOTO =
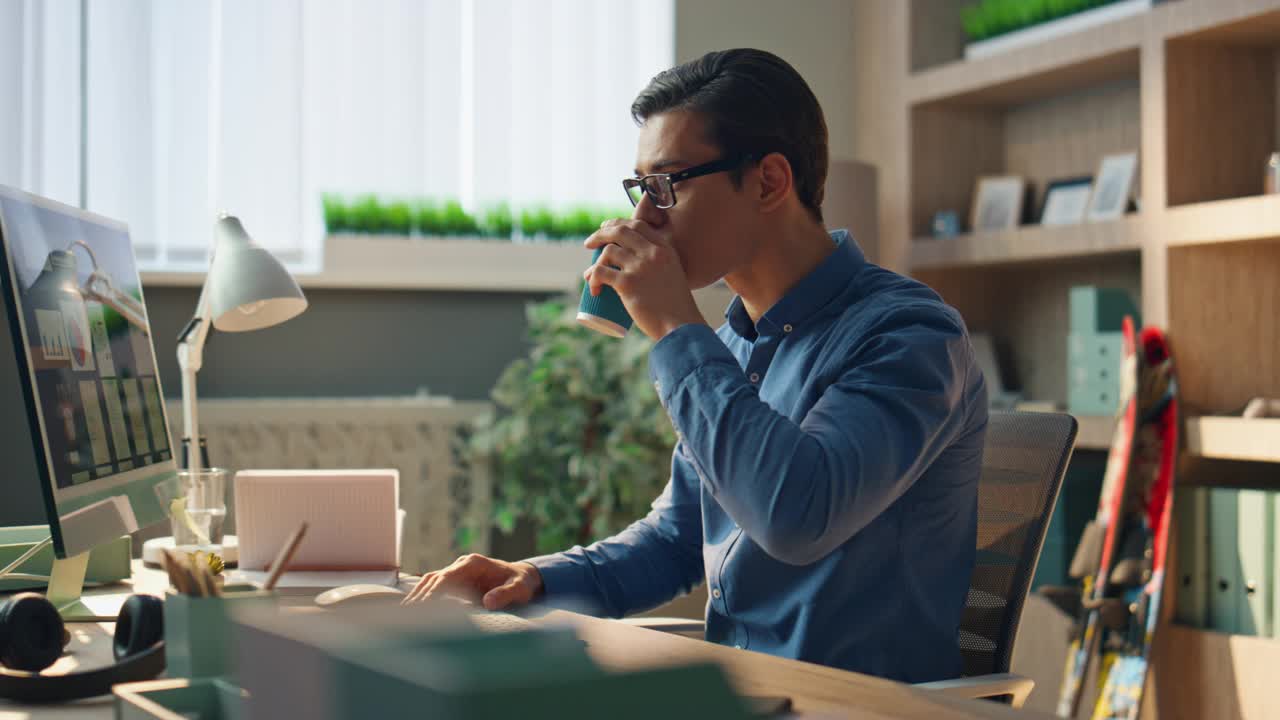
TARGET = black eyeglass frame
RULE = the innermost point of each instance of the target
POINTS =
(670, 179)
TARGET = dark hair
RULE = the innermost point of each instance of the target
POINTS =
(755, 103)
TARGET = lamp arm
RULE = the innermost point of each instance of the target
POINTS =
(190, 359)
(99, 287)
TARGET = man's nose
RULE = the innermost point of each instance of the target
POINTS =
(645, 210)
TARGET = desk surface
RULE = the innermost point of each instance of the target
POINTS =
(822, 691)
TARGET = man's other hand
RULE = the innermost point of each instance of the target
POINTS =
(494, 583)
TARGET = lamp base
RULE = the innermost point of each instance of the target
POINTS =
(153, 550)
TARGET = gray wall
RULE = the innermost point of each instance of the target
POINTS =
(354, 343)
(20, 502)
(814, 36)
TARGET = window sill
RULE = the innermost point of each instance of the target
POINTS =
(388, 262)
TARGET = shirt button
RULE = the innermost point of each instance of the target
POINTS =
(786, 328)
(715, 593)
(755, 377)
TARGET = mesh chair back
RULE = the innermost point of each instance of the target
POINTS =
(1025, 459)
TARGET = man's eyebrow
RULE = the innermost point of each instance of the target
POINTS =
(658, 166)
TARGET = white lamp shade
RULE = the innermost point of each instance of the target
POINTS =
(248, 288)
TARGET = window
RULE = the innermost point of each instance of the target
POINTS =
(258, 108)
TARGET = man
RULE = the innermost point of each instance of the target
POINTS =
(824, 485)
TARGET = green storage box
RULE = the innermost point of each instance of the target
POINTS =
(430, 662)
(1093, 372)
(529, 675)
(1094, 398)
(108, 563)
(1100, 310)
(198, 640)
(1099, 353)
(178, 700)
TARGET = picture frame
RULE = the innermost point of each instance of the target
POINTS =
(1066, 200)
(997, 203)
(1113, 186)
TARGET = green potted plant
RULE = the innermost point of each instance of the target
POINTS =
(398, 218)
(990, 18)
(578, 443)
(536, 223)
(497, 222)
(366, 215)
(576, 223)
(427, 220)
(456, 221)
(335, 214)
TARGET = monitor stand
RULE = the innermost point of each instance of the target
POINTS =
(66, 584)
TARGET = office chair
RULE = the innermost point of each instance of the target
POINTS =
(1024, 461)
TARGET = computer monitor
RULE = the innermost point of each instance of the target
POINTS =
(87, 366)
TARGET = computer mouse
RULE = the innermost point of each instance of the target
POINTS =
(362, 593)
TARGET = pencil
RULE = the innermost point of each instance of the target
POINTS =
(176, 576)
(284, 556)
(197, 575)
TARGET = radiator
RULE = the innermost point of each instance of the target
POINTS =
(412, 434)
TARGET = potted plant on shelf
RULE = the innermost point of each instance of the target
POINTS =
(398, 219)
(578, 442)
(365, 216)
(336, 220)
(497, 222)
(426, 219)
(456, 221)
(536, 224)
(993, 26)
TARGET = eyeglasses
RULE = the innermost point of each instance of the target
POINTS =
(661, 187)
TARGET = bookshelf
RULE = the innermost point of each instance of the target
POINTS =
(1095, 431)
(1028, 244)
(1193, 86)
(1222, 221)
(1233, 438)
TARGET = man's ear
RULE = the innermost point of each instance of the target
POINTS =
(776, 181)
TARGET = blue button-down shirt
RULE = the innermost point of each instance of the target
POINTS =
(825, 480)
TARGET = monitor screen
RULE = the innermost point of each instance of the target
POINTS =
(74, 299)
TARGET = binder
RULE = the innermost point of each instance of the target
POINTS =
(1255, 551)
(1224, 562)
(1275, 564)
(1191, 518)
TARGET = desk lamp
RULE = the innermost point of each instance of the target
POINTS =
(246, 289)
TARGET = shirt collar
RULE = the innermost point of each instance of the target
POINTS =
(808, 296)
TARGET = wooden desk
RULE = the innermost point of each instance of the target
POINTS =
(814, 689)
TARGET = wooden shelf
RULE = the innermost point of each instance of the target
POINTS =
(1191, 85)
(1090, 57)
(1028, 244)
(1207, 674)
(1095, 432)
(1064, 64)
(1239, 22)
(1249, 218)
(1234, 438)
(367, 262)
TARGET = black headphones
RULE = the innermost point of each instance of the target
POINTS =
(32, 637)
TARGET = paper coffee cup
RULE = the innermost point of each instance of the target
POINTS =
(605, 312)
